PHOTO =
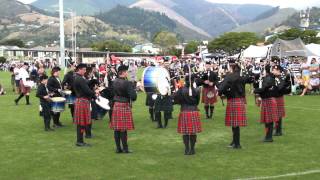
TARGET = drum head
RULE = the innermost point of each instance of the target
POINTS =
(58, 99)
(103, 103)
(163, 86)
(67, 92)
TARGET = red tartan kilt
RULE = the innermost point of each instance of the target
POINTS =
(23, 89)
(269, 110)
(121, 119)
(205, 98)
(82, 113)
(236, 114)
(280, 105)
(189, 122)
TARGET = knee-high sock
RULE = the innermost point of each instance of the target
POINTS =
(186, 142)
(269, 130)
(88, 130)
(158, 119)
(278, 126)
(117, 139)
(80, 131)
(211, 111)
(193, 140)
(46, 122)
(124, 140)
(233, 136)
(56, 118)
(72, 110)
(237, 136)
(206, 108)
(21, 95)
(151, 112)
(27, 99)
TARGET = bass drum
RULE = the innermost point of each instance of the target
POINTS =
(156, 80)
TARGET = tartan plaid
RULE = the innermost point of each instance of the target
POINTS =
(280, 105)
(82, 114)
(236, 112)
(269, 110)
(121, 119)
(189, 122)
(205, 92)
(24, 90)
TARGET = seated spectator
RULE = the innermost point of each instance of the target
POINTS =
(314, 66)
(314, 82)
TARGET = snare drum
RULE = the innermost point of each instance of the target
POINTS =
(156, 80)
(58, 104)
(70, 99)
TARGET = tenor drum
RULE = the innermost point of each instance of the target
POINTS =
(70, 99)
(156, 80)
(58, 104)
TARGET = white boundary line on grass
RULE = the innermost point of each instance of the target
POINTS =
(283, 175)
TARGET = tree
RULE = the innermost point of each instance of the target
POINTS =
(165, 40)
(191, 47)
(307, 36)
(3, 59)
(233, 42)
(112, 45)
(13, 42)
(174, 52)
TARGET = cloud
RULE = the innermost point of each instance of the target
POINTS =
(298, 4)
(27, 1)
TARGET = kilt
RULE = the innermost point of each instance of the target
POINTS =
(280, 105)
(269, 110)
(24, 90)
(236, 114)
(189, 122)
(82, 114)
(205, 92)
(121, 119)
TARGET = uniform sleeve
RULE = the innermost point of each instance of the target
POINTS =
(41, 92)
(86, 90)
(224, 86)
(132, 93)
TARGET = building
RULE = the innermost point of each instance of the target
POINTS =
(85, 55)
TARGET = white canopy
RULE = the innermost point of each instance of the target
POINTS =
(314, 48)
(255, 51)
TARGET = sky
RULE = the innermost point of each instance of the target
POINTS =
(298, 4)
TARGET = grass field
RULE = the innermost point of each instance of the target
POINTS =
(29, 153)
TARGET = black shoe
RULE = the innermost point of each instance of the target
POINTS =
(88, 136)
(118, 151)
(82, 144)
(236, 147)
(277, 134)
(192, 152)
(268, 140)
(231, 145)
(127, 151)
(159, 127)
(16, 102)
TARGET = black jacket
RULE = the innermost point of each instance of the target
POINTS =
(81, 88)
(211, 76)
(188, 103)
(41, 92)
(123, 90)
(68, 81)
(269, 88)
(54, 86)
(233, 85)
